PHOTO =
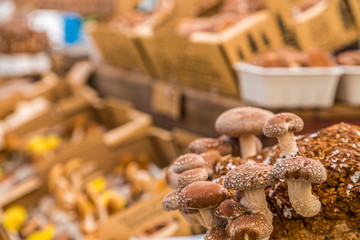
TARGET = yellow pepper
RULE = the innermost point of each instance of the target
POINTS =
(14, 217)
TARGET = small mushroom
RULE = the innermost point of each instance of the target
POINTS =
(170, 201)
(300, 172)
(191, 176)
(183, 179)
(217, 233)
(204, 196)
(282, 126)
(252, 178)
(243, 123)
(211, 150)
(203, 145)
(187, 162)
(230, 209)
(250, 227)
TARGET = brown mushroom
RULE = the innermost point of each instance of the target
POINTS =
(243, 123)
(211, 150)
(230, 209)
(191, 176)
(282, 126)
(300, 172)
(203, 145)
(252, 178)
(250, 227)
(204, 196)
(170, 201)
(187, 162)
(217, 233)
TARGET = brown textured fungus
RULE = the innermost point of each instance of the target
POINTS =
(217, 233)
(338, 149)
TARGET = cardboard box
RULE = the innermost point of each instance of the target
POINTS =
(123, 123)
(123, 49)
(102, 8)
(120, 49)
(159, 146)
(205, 60)
(355, 9)
(326, 24)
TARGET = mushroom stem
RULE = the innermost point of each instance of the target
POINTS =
(209, 217)
(302, 199)
(287, 144)
(255, 201)
(248, 145)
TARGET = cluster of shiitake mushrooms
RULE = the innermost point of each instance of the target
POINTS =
(237, 208)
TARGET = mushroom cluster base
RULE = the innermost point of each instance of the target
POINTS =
(338, 149)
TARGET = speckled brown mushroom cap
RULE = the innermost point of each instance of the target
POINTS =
(202, 145)
(230, 209)
(282, 123)
(188, 161)
(242, 120)
(202, 194)
(249, 176)
(300, 168)
(192, 175)
(255, 226)
(170, 201)
(216, 233)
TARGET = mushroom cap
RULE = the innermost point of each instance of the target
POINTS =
(192, 175)
(171, 178)
(249, 176)
(216, 233)
(282, 123)
(202, 194)
(230, 209)
(300, 169)
(254, 226)
(170, 201)
(188, 161)
(242, 120)
(202, 145)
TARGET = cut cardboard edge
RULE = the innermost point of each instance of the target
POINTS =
(20, 190)
(138, 125)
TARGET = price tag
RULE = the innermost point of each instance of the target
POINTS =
(167, 100)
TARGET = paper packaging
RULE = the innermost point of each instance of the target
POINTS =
(159, 145)
(102, 8)
(355, 9)
(327, 24)
(125, 50)
(123, 123)
(204, 61)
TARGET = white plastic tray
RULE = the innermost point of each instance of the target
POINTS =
(349, 86)
(24, 64)
(296, 87)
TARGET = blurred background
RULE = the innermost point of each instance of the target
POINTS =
(133, 82)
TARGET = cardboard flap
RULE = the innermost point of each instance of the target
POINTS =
(20, 190)
(71, 106)
(140, 217)
(80, 72)
(138, 125)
